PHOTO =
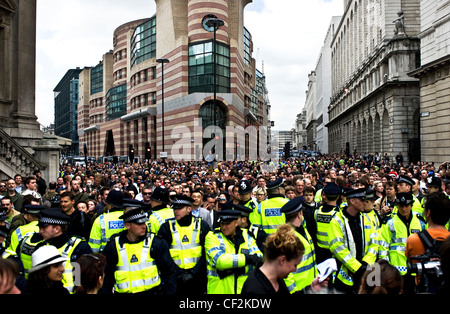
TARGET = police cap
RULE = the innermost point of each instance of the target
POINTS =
(180, 201)
(228, 215)
(244, 210)
(404, 198)
(292, 206)
(356, 193)
(53, 216)
(274, 184)
(245, 187)
(332, 189)
(405, 179)
(136, 215)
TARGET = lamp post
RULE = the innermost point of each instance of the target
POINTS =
(215, 23)
(162, 61)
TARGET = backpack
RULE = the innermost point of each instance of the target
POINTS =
(432, 246)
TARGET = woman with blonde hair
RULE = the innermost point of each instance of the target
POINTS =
(283, 252)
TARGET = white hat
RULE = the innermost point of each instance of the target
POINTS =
(45, 256)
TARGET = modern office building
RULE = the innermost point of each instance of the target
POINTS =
(374, 102)
(66, 110)
(158, 88)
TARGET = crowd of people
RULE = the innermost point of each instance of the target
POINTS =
(193, 228)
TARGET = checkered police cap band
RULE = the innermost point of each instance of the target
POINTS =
(178, 203)
(135, 217)
(53, 221)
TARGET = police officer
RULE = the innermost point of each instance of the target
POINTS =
(353, 242)
(404, 185)
(244, 222)
(269, 215)
(161, 211)
(397, 229)
(322, 216)
(108, 222)
(31, 215)
(245, 191)
(185, 235)
(369, 209)
(138, 261)
(306, 271)
(53, 230)
(231, 253)
(433, 185)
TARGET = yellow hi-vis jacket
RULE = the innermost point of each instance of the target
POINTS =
(226, 264)
(136, 270)
(185, 248)
(343, 248)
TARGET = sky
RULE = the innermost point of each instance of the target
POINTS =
(287, 37)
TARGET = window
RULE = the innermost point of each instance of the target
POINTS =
(247, 50)
(97, 79)
(116, 102)
(143, 42)
(201, 68)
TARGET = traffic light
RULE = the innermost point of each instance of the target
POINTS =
(131, 153)
(148, 151)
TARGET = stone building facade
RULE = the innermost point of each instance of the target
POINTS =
(375, 104)
(434, 76)
(23, 146)
(128, 110)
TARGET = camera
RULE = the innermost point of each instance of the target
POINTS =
(430, 272)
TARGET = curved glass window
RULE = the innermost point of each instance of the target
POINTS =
(97, 79)
(143, 42)
(212, 115)
(116, 102)
(201, 68)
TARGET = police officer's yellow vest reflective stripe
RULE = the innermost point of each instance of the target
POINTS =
(222, 256)
(271, 216)
(393, 235)
(343, 248)
(26, 249)
(186, 249)
(136, 270)
(157, 218)
(67, 251)
(306, 271)
(323, 225)
(21, 232)
(105, 226)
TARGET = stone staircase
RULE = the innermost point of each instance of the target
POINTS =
(15, 159)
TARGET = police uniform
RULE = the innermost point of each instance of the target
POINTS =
(416, 205)
(395, 231)
(322, 217)
(353, 243)
(107, 224)
(245, 188)
(25, 230)
(229, 259)
(70, 247)
(142, 266)
(372, 213)
(269, 215)
(160, 213)
(258, 234)
(186, 240)
(306, 271)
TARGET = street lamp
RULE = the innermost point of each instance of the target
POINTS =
(214, 23)
(162, 61)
